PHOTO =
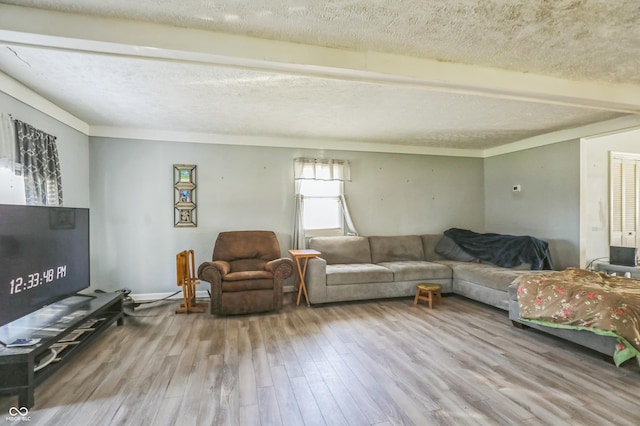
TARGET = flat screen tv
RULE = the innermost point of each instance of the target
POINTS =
(44, 257)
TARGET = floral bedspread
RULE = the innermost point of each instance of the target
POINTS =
(585, 300)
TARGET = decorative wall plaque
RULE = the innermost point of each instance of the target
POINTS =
(184, 195)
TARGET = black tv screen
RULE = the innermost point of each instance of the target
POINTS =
(44, 257)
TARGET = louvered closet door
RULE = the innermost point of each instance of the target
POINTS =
(625, 174)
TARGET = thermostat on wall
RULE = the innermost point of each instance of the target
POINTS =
(517, 188)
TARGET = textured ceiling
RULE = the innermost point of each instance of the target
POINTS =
(233, 101)
(574, 39)
(596, 41)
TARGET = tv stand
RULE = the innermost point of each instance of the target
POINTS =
(66, 327)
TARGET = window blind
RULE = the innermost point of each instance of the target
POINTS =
(624, 186)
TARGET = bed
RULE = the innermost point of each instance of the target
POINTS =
(590, 308)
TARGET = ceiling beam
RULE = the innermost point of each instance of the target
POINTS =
(19, 91)
(57, 30)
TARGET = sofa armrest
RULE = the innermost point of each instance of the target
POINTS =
(316, 280)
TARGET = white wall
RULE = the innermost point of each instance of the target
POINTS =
(595, 193)
(548, 206)
(73, 150)
(134, 241)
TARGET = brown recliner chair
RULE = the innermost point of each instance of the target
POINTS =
(246, 273)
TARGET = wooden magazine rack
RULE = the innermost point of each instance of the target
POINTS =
(185, 269)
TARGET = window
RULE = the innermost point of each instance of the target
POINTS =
(624, 177)
(322, 213)
(321, 207)
(12, 188)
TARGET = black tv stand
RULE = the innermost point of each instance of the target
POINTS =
(66, 327)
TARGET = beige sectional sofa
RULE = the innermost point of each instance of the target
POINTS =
(359, 268)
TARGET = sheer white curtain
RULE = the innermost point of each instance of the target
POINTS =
(299, 238)
(319, 169)
(7, 142)
(350, 227)
(11, 186)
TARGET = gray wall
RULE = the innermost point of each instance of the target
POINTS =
(129, 189)
(241, 187)
(548, 206)
(73, 150)
(412, 194)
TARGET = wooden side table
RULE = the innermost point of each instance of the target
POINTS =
(299, 256)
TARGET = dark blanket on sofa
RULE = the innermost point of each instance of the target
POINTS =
(507, 251)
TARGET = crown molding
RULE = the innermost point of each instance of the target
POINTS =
(276, 142)
(615, 125)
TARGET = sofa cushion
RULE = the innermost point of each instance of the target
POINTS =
(348, 249)
(490, 276)
(452, 251)
(357, 273)
(247, 285)
(391, 249)
(412, 270)
(247, 275)
(429, 242)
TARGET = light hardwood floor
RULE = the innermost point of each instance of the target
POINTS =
(369, 363)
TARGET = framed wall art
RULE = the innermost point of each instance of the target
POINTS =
(184, 195)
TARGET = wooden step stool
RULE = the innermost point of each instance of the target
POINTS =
(427, 291)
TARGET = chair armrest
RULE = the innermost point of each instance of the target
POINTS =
(281, 268)
(316, 280)
(213, 271)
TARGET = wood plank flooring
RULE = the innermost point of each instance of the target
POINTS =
(369, 363)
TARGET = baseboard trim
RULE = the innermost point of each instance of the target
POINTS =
(201, 294)
(156, 297)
